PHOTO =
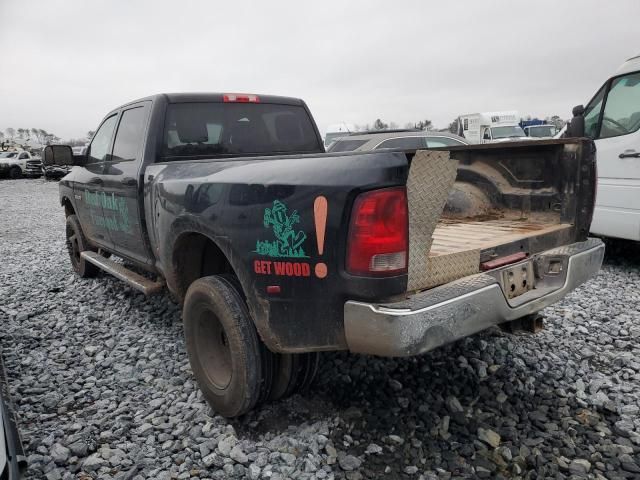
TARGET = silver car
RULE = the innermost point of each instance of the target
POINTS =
(400, 139)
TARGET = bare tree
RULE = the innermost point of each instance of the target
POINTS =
(424, 125)
(11, 133)
(556, 120)
(380, 125)
(24, 134)
(44, 135)
(39, 135)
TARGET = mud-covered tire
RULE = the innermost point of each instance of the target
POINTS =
(15, 173)
(223, 346)
(293, 373)
(77, 243)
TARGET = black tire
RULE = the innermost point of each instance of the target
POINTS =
(268, 358)
(293, 373)
(15, 172)
(77, 243)
(224, 350)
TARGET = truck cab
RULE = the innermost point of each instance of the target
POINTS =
(612, 120)
(540, 131)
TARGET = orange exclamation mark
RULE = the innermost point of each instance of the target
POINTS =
(320, 208)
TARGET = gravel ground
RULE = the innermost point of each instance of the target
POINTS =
(103, 388)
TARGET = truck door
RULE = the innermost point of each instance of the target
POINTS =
(87, 188)
(123, 185)
(615, 125)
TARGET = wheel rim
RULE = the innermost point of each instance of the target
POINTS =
(212, 350)
(73, 246)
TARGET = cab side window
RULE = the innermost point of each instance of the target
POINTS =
(621, 114)
(592, 114)
(99, 147)
(128, 140)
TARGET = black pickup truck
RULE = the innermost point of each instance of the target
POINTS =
(278, 250)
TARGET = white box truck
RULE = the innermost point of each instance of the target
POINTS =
(491, 127)
(612, 120)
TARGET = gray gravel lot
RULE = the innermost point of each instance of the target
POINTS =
(103, 388)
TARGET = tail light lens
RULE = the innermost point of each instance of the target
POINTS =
(378, 243)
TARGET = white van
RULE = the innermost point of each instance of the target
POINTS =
(612, 119)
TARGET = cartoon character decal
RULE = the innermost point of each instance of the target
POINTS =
(288, 242)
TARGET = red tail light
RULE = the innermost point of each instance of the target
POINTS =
(379, 233)
(240, 98)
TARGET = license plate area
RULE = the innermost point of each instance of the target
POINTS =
(518, 279)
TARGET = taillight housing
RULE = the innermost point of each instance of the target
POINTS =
(378, 242)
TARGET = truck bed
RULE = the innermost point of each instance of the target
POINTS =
(458, 236)
(469, 206)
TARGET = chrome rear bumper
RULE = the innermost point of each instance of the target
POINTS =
(461, 308)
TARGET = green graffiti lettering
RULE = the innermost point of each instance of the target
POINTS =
(118, 223)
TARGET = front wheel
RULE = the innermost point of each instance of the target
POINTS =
(15, 173)
(224, 350)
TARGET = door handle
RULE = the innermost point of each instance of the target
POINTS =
(95, 181)
(629, 154)
(129, 182)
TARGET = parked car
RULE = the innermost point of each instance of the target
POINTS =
(612, 119)
(18, 163)
(278, 250)
(79, 150)
(336, 131)
(399, 139)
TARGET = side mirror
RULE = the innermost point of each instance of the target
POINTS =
(575, 128)
(59, 155)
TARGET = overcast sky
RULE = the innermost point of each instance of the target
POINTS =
(65, 64)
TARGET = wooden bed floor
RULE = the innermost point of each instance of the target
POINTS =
(453, 237)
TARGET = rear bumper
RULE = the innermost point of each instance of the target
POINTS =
(458, 309)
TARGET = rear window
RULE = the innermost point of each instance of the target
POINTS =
(346, 145)
(195, 129)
